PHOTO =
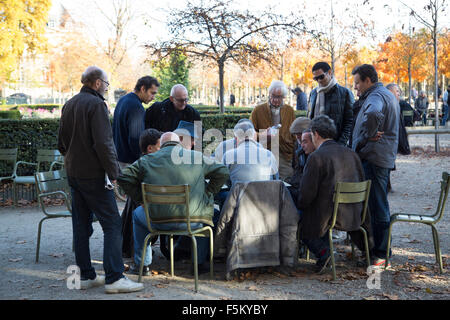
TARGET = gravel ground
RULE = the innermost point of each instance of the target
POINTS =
(414, 275)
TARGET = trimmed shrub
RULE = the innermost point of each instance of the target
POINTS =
(10, 114)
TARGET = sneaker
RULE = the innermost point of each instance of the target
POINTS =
(97, 282)
(323, 264)
(134, 269)
(123, 285)
(379, 263)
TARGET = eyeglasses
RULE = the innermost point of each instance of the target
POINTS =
(182, 100)
(277, 97)
(105, 82)
(321, 77)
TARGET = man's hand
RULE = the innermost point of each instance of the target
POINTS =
(377, 136)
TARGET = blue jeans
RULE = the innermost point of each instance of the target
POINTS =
(89, 197)
(378, 206)
(140, 231)
(444, 114)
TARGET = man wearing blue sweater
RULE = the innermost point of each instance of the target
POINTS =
(128, 122)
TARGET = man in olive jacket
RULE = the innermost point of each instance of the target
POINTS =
(329, 164)
(173, 165)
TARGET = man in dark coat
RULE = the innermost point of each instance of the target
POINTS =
(165, 116)
(333, 100)
(85, 139)
(330, 163)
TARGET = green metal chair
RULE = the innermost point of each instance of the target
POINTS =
(408, 113)
(350, 192)
(8, 156)
(174, 195)
(430, 220)
(52, 157)
(47, 184)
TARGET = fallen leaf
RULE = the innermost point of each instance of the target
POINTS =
(225, 298)
(154, 272)
(415, 241)
(15, 259)
(56, 255)
(370, 298)
(411, 258)
(146, 296)
(405, 236)
(21, 242)
(253, 288)
(55, 286)
(428, 290)
(160, 286)
(390, 296)
(331, 292)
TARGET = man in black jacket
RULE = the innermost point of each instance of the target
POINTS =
(326, 166)
(333, 100)
(165, 116)
(86, 141)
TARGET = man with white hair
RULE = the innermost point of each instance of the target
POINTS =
(249, 161)
(166, 115)
(274, 113)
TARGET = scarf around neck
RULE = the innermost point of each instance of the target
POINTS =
(320, 100)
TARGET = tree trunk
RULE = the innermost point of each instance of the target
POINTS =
(221, 85)
(436, 85)
(409, 80)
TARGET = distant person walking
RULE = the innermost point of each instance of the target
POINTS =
(302, 100)
(421, 105)
(445, 106)
(232, 100)
(86, 141)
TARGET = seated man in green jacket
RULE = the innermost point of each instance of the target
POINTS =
(173, 165)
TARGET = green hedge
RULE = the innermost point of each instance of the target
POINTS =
(32, 134)
(10, 114)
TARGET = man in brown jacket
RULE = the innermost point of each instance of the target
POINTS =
(85, 139)
(330, 163)
(272, 113)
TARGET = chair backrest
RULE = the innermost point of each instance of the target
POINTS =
(408, 113)
(48, 156)
(445, 186)
(52, 181)
(166, 195)
(7, 155)
(351, 192)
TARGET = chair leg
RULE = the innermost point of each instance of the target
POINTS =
(353, 251)
(194, 249)
(388, 245)
(211, 255)
(307, 254)
(15, 194)
(39, 238)
(330, 238)
(437, 248)
(144, 250)
(366, 245)
(171, 255)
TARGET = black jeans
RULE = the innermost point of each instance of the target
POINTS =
(90, 197)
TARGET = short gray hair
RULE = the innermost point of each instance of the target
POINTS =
(277, 84)
(244, 130)
(392, 85)
(91, 74)
(176, 88)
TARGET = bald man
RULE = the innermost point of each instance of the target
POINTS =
(166, 115)
(86, 141)
(164, 168)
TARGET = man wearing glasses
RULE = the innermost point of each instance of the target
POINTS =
(166, 115)
(272, 114)
(333, 100)
(85, 139)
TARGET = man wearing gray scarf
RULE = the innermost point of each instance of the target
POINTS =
(333, 100)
